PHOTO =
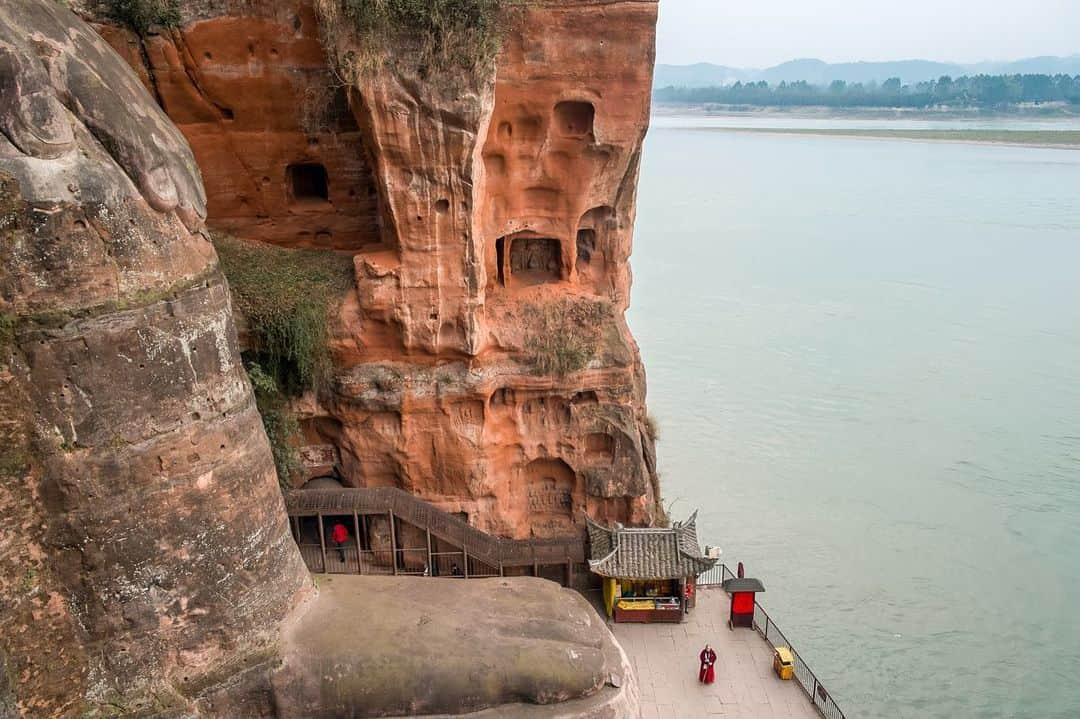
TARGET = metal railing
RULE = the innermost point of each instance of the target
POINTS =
(713, 577)
(766, 627)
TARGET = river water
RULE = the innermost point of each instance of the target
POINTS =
(864, 359)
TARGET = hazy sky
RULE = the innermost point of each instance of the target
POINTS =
(759, 33)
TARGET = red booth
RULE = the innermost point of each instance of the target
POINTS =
(742, 592)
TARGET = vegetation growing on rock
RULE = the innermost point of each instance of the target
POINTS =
(287, 298)
(652, 427)
(441, 37)
(280, 423)
(143, 15)
(564, 337)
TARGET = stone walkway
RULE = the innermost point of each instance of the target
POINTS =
(665, 657)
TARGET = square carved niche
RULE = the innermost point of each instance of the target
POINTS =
(307, 182)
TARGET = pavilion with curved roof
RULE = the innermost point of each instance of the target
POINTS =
(646, 570)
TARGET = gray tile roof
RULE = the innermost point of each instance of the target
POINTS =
(649, 553)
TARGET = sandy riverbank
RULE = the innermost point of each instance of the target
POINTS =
(1067, 139)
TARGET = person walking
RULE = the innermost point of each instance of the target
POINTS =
(707, 674)
(338, 536)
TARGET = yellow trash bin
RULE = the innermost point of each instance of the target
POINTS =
(783, 662)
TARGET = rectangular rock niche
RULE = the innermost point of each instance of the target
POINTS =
(307, 182)
(534, 260)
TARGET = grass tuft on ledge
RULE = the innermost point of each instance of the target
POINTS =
(142, 16)
(563, 337)
(288, 298)
(450, 39)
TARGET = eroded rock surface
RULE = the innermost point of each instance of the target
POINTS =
(145, 554)
(483, 361)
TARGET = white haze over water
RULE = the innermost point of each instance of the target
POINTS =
(864, 357)
(761, 33)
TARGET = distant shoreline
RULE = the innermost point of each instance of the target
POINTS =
(1056, 139)
(1041, 112)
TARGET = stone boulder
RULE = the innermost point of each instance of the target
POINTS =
(519, 647)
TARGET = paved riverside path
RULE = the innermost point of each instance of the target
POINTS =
(665, 657)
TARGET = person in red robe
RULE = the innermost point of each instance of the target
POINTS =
(338, 536)
(707, 674)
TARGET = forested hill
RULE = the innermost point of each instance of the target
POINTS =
(818, 72)
(967, 91)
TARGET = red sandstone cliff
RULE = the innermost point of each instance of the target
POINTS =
(490, 225)
(142, 522)
(146, 567)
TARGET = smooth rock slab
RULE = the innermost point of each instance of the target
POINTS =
(502, 647)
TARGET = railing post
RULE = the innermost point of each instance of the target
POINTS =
(356, 534)
(393, 541)
(431, 568)
(766, 624)
(465, 555)
(322, 540)
(813, 694)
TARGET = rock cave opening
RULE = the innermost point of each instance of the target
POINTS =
(574, 118)
(307, 182)
(500, 259)
(534, 260)
(586, 245)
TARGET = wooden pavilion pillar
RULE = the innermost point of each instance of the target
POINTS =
(393, 541)
(322, 540)
(356, 535)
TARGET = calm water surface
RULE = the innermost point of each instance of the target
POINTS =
(864, 356)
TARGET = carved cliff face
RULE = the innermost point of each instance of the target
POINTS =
(483, 361)
(145, 562)
(143, 522)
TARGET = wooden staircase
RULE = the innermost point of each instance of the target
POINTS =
(496, 552)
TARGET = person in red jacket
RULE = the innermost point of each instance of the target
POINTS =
(338, 536)
(707, 674)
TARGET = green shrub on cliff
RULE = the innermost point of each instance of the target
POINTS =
(144, 15)
(287, 298)
(440, 36)
(280, 424)
(563, 337)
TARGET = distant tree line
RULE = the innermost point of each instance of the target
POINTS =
(967, 91)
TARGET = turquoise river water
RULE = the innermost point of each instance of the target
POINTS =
(864, 358)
